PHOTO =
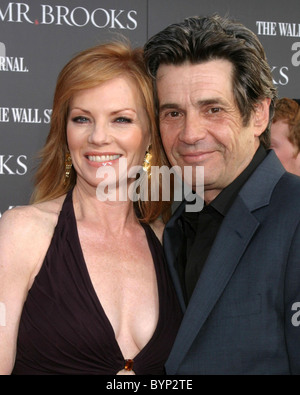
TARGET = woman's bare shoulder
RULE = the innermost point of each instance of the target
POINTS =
(26, 231)
(25, 236)
(31, 217)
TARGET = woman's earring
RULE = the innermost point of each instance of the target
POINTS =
(68, 166)
(147, 161)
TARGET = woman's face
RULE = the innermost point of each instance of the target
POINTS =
(106, 125)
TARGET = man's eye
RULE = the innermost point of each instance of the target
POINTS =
(80, 119)
(214, 110)
(170, 114)
(174, 114)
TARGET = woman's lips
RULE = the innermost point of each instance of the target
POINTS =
(97, 160)
(103, 158)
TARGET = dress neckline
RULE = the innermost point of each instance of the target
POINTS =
(150, 235)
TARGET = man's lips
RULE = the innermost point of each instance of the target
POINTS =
(191, 157)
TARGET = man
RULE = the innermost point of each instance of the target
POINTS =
(285, 134)
(236, 264)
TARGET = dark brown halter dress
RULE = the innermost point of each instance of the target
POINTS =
(64, 329)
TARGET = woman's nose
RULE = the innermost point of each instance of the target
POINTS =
(100, 134)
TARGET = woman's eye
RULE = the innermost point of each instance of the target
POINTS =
(123, 120)
(80, 119)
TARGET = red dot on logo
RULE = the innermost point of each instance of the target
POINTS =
(36, 22)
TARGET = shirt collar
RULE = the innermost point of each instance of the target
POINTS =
(226, 197)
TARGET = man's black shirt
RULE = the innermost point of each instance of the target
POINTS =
(200, 229)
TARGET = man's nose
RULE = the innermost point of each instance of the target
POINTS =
(194, 129)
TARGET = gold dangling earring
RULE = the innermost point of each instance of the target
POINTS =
(147, 161)
(68, 167)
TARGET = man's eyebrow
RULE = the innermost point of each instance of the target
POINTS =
(200, 102)
(210, 101)
(168, 106)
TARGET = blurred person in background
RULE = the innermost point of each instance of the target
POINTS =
(285, 134)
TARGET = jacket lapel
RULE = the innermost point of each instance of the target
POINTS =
(217, 271)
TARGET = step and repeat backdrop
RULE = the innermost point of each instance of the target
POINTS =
(38, 37)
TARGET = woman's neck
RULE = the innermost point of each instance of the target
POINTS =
(111, 216)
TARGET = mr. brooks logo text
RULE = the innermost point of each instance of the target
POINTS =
(63, 15)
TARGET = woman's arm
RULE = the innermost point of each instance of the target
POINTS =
(25, 234)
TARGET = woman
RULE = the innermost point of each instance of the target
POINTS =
(82, 279)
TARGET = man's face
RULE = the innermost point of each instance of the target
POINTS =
(201, 125)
